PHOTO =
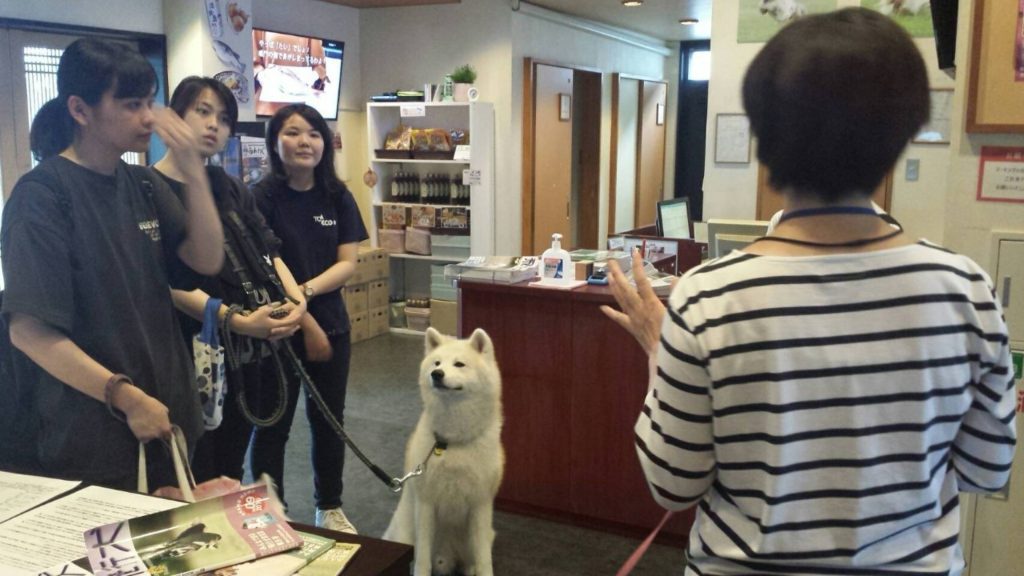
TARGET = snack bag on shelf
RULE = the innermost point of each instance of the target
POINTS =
(398, 139)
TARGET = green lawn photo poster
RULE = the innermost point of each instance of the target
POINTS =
(760, 20)
(914, 16)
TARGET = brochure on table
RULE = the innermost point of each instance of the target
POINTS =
(51, 534)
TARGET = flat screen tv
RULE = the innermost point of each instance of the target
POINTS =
(289, 69)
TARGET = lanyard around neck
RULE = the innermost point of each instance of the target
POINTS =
(827, 210)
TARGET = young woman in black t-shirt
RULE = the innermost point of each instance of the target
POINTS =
(90, 245)
(319, 225)
(209, 109)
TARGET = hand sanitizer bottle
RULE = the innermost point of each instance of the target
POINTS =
(555, 262)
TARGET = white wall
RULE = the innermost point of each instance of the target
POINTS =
(136, 15)
(410, 47)
(334, 22)
(730, 190)
(549, 41)
(970, 222)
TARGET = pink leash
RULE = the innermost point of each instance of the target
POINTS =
(637, 554)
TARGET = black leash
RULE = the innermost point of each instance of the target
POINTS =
(251, 253)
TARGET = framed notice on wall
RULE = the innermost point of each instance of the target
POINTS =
(1001, 174)
(732, 139)
(996, 86)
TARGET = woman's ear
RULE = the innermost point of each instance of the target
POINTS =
(79, 110)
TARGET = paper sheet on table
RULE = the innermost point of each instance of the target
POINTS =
(53, 533)
(20, 492)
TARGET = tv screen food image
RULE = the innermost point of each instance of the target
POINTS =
(289, 69)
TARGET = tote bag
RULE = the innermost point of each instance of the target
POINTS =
(209, 361)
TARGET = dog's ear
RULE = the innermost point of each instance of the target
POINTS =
(481, 342)
(433, 339)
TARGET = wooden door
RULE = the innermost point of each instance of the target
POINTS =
(650, 173)
(588, 158)
(769, 201)
(552, 156)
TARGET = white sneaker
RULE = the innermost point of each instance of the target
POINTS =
(334, 519)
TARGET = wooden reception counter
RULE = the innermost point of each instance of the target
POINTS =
(574, 384)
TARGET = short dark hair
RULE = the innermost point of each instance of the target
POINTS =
(88, 68)
(833, 100)
(323, 175)
(189, 89)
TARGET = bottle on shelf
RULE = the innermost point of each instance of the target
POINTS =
(448, 89)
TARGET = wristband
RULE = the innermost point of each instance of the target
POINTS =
(110, 388)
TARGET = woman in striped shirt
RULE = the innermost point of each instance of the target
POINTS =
(823, 395)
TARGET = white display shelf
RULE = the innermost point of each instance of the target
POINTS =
(417, 161)
(430, 258)
(410, 273)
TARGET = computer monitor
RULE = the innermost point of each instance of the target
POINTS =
(674, 219)
(735, 234)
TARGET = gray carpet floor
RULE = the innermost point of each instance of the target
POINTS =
(383, 406)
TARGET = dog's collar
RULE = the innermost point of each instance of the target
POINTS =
(440, 444)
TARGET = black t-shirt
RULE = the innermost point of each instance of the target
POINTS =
(230, 195)
(94, 261)
(311, 226)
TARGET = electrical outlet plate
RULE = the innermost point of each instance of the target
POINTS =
(913, 168)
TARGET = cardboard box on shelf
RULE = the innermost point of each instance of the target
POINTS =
(356, 298)
(377, 293)
(444, 316)
(378, 320)
(360, 326)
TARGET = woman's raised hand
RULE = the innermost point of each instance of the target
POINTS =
(642, 311)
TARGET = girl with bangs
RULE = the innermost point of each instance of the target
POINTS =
(90, 246)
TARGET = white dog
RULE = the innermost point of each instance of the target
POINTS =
(783, 10)
(888, 7)
(446, 513)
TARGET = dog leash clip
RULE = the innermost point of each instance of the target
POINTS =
(398, 483)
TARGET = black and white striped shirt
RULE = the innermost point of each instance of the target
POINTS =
(824, 411)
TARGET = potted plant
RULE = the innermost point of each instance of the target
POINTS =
(463, 77)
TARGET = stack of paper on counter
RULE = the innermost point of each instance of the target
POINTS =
(48, 536)
(195, 538)
(499, 269)
(286, 564)
(333, 562)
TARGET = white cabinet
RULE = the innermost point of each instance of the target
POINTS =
(411, 274)
(992, 536)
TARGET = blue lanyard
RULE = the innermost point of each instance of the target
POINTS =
(826, 210)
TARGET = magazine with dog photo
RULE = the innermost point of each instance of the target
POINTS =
(193, 539)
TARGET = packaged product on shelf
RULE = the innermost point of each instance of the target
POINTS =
(392, 241)
(423, 216)
(399, 139)
(458, 137)
(393, 216)
(417, 241)
(420, 140)
(454, 218)
(439, 140)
